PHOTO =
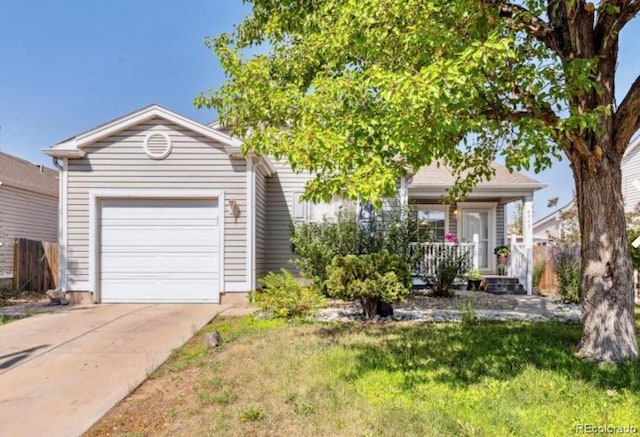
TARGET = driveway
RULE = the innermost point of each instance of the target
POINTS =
(60, 372)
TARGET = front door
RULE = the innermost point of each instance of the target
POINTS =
(477, 222)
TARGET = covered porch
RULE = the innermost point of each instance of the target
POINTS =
(476, 226)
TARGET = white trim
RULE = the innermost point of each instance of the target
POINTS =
(63, 226)
(95, 195)
(404, 193)
(64, 152)
(491, 208)
(236, 287)
(150, 112)
(145, 145)
(478, 192)
(251, 220)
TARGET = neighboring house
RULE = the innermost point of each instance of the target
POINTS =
(28, 206)
(630, 167)
(159, 208)
(549, 227)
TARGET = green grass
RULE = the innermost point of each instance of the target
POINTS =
(488, 378)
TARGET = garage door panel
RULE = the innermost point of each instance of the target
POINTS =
(163, 263)
(137, 290)
(156, 250)
(157, 208)
(160, 237)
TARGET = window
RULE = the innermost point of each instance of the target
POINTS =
(308, 212)
(432, 223)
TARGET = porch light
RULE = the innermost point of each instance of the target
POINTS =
(234, 208)
(455, 212)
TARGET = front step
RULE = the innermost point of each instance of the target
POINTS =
(503, 285)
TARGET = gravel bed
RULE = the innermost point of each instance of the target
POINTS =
(424, 308)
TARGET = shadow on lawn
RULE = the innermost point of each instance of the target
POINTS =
(462, 355)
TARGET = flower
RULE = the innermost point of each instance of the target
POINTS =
(450, 238)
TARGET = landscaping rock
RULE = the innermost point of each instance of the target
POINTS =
(212, 340)
(56, 296)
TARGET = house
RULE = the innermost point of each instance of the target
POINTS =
(28, 206)
(159, 208)
(630, 167)
(550, 227)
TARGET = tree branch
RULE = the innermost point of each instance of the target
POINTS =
(627, 117)
(609, 25)
(522, 19)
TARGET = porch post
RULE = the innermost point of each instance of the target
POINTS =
(404, 192)
(527, 236)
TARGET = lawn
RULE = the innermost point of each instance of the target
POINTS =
(281, 379)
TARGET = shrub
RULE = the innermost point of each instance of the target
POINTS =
(566, 263)
(539, 267)
(370, 278)
(283, 296)
(452, 265)
(468, 312)
(316, 244)
(7, 292)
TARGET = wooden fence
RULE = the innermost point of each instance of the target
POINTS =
(35, 265)
(549, 281)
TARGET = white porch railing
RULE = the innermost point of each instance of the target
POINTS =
(519, 265)
(435, 253)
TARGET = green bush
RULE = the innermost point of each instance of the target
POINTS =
(316, 244)
(451, 267)
(283, 296)
(539, 267)
(374, 277)
(566, 263)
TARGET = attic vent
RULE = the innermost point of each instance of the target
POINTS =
(157, 145)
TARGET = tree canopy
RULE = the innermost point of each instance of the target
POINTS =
(360, 92)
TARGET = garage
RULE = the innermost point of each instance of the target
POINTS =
(159, 250)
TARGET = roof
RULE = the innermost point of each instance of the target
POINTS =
(440, 176)
(72, 147)
(19, 173)
(555, 214)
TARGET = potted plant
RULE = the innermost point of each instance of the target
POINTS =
(503, 253)
(474, 279)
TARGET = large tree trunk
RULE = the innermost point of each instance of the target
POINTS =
(609, 333)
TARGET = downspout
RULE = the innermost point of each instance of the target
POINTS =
(56, 164)
(61, 254)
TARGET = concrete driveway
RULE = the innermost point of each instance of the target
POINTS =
(60, 372)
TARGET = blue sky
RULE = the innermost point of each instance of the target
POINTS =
(69, 65)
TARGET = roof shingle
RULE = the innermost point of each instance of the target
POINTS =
(431, 175)
(17, 172)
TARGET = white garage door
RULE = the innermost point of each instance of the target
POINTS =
(159, 250)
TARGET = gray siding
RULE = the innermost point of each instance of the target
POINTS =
(24, 214)
(280, 191)
(630, 172)
(261, 224)
(120, 162)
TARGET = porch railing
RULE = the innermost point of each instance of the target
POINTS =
(435, 253)
(519, 263)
